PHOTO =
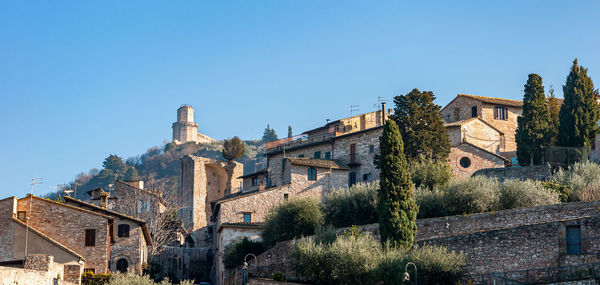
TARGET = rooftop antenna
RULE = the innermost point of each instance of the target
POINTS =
(379, 101)
(354, 108)
(34, 181)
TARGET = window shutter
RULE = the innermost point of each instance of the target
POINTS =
(506, 113)
(495, 112)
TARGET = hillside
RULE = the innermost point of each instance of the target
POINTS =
(158, 166)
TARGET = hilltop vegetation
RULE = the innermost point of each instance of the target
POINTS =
(158, 166)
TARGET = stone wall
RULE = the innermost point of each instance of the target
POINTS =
(8, 208)
(67, 225)
(132, 248)
(478, 159)
(366, 147)
(225, 236)
(536, 172)
(41, 269)
(275, 161)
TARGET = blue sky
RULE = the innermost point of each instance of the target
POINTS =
(80, 80)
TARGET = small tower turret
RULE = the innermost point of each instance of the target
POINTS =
(185, 130)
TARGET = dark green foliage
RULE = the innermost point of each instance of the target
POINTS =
(397, 209)
(553, 109)
(429, 173)
(292, 219)
(351, 206)
(421, 126)
(290, 134)
(580, 112)
(269, 135)
(533, 128)
(233, 149)
(564, 191)
(278, 276)
(236, 251)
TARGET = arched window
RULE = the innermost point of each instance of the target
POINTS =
(312, 174)
(123, 230)
(122, 265)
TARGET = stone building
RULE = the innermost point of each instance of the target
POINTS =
(185, 129)
(85, 232)
(129, 250)
(21, 242)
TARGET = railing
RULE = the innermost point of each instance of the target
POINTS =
(296, 140)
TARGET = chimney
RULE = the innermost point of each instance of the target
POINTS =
(104, 199)
(383, 113)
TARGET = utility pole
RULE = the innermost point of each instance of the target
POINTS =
(34, 181)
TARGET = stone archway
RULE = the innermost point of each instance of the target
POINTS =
(122, 265)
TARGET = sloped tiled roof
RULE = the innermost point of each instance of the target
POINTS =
(260, 171)
(314, 162)
(493, 100)
(484, 150)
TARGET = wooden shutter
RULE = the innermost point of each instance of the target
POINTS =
(90, 237)
(505, 113)
(495, 112)
(352, 152)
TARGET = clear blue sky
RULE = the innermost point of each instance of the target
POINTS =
(80, 80)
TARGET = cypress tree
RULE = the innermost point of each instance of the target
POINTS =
(396, 203)
(554, 110)
(579, 113)
(533, 126)
(421, 126)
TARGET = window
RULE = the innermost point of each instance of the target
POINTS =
(317, 154)
(21, 215)
(353, 152)
(282, 165)
(456, 114)
(247, 217)
(285, 197)
(327, 155)
(367, 177)
(574, 240)
(465, 162)
(123, 230)
(90, 237)
(371, 148)
(312, 174)
(301, 155)
(501, 113)
(352, 179)
(473, 111)
(254, 181)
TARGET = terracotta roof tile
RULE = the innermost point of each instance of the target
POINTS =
(493, 100)
(322, 163)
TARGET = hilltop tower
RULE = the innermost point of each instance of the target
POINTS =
(185, 130)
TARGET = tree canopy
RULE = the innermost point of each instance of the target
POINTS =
(421, 126)
(397, 209)
(269, 135)
(580, 112)
(233, 149)
(534, 130)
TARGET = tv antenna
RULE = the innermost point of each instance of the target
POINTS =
(34, 181)
(379, 101)
(354, 108)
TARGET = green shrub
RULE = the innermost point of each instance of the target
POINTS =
(429, 173)
(525, 193)
(235, 252)
(325, 234)
(278, 276)
(351, 206)
(473, 195)
(292, 219)
(360, 259)
(134, 279)
(431, 202)
(563, 191)
(89, 278)
(581, 176)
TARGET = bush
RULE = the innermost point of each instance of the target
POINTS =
(89, 278)
(351, 206)
(563, 191)
(527, 193)
(473, 195)
(236, 251)
(325, 234)
(134, 279)
(292, 219)
(581, 176)
(429, 173)
(431, 202)
(360, 259)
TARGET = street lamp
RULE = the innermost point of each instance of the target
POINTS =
(406, 276)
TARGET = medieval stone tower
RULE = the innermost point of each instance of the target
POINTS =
(202, 181)
(185, 129)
